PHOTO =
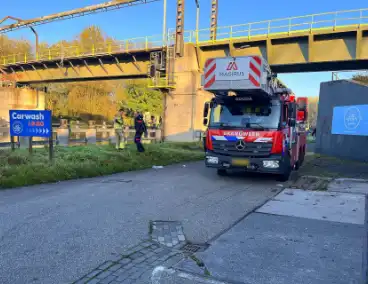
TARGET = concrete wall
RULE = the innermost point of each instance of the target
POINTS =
(17, 98)
(340, 93)
(184, 105)
(20, 98)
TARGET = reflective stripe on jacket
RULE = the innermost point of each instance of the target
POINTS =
(118, 123)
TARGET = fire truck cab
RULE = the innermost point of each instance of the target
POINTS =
(254, 122)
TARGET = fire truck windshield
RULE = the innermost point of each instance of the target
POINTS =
(246, 115)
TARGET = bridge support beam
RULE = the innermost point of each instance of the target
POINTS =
(310, 47)
(359, 39)
(184, 105)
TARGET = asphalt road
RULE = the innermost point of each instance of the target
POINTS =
(56, 233)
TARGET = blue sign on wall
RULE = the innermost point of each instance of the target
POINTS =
(350, 120)
(36, 123)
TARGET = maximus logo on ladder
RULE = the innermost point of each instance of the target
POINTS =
(232, 66)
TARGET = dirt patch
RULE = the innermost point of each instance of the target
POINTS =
(319, 170)
(310, 183)
(331, 167)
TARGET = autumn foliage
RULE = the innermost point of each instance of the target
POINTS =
(361, 78)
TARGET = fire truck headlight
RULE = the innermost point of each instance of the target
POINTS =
(271, 164)
(212, 160)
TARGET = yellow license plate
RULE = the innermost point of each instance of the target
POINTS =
(240, 162)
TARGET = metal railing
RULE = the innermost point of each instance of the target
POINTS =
(63, 52)
(287, 26)
(79, 136)
(327, 22)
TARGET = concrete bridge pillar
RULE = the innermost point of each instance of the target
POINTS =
(91, 132)
(184, 105)
(112, 136)
(24, 142)
(63, 133)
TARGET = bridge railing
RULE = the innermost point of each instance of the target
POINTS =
(108, 47)
(285, 26)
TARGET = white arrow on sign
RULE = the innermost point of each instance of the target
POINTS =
(47, 131)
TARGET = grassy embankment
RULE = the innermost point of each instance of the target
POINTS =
(318, 170)
(311, 139)
(18, 168)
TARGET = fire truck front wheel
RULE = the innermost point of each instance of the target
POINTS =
(221, 172)
(284, 176)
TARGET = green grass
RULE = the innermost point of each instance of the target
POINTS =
(311, 139)
(18, 168)
(318, 170)
(333, 167)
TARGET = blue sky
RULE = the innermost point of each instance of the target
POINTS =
(145, 20)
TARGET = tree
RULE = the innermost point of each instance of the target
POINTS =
(92, 39)
(17, 49)
(92, 100)
(56, 99)
(312, 111)
(141, 98)
(58, 103)
(361, 78)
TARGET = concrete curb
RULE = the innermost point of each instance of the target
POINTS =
(163, 275)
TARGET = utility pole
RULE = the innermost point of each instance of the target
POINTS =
(197, 21)
(37, 43)
(164, 28)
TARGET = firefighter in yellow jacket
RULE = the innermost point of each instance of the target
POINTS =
(119, 130)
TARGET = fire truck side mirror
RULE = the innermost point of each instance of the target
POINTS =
(206, 109)
(205, 121)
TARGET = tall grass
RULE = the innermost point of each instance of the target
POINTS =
(18, 168)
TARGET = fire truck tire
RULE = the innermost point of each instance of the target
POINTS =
(221, 172)
(300, 161)
(302, 156)
(284, 176)
(297, 165)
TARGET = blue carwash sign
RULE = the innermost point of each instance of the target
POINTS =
(350, 120)
(36, 123)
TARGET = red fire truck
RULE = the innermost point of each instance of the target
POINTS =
(254, 122)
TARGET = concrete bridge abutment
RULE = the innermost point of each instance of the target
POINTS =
(20, 98)
(183, 106)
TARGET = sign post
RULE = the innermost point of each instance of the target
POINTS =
(31, 123)
(12, 143)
